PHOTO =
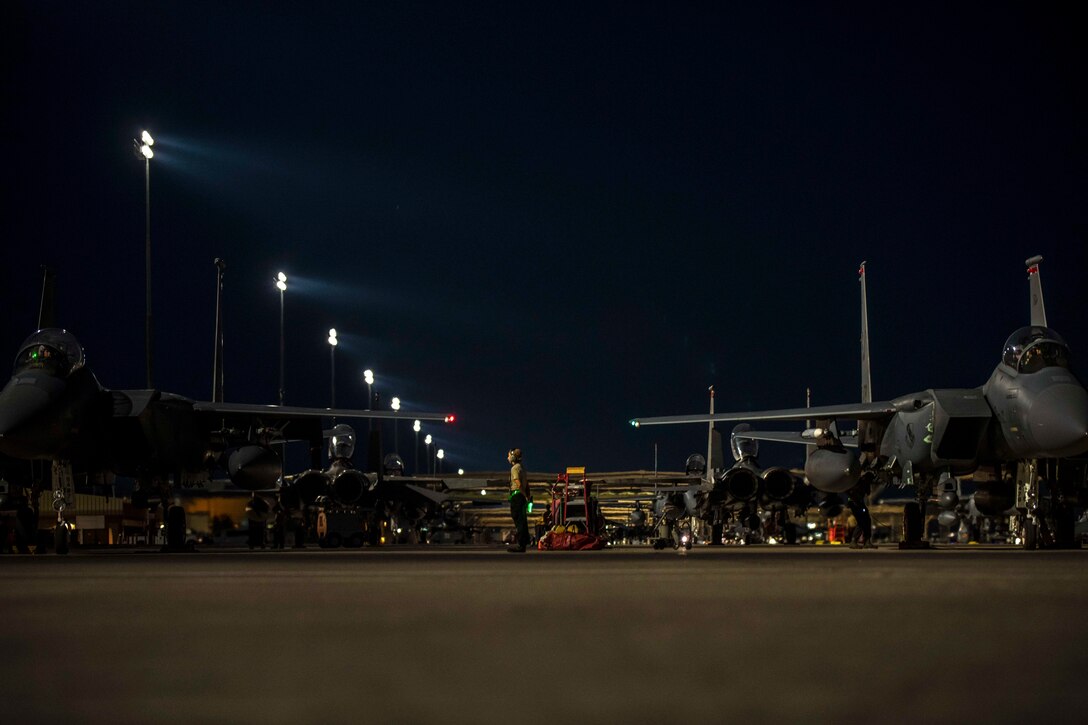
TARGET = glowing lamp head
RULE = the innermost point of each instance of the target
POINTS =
(368, 377)
(281, 285)
(450, 418)
(395, 405)
(441, 454)
(332, 337)
(428, 439)
(416, 426)
(146, 138)
(147, 152)
(460, 471)
(634, 423)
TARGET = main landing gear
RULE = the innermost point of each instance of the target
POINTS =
(913, 527)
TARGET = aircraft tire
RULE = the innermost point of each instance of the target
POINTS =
(25, 529)
(1031, 536)
(912, 522)
(175, 528)
(1064, 528)
(60, 539)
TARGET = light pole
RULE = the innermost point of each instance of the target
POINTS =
(441, 454)
(368, 378)
(332, 367)
(416, 427)
(281, 285)
(427, 443)
(395, 405)
(217, 357)
(144, 150)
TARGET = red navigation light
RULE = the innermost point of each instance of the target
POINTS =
(451, 418)
(1033, 270)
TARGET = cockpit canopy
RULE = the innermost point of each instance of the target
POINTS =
(1030, 349)
(342, 442)
(55, 351)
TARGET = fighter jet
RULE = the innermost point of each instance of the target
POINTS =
(54, 409)
(1023, 422)
(363, 504)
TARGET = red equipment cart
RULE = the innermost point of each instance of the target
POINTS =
(574, 515)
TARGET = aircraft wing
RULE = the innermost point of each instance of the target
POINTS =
(287, 411)
(777, 436)
(432, 496)
(858, 411)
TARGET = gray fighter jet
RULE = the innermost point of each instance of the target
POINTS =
(54, 409)
(1023, 424)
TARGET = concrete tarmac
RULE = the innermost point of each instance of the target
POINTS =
(463, 635)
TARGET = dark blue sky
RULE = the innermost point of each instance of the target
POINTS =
(547, 217)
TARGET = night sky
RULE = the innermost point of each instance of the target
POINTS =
(548, 217)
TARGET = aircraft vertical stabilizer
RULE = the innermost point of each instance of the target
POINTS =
(1035, 287)
(47, 316)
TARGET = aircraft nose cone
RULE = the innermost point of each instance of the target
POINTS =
(22, 399)
(1059, 420)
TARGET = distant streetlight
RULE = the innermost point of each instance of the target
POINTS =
(427, 442)
(332, 366)
(417, 428)
(144, 150)
(460, 471)
(441, 454)
(281, 285)
(395, 405)
(368, 378)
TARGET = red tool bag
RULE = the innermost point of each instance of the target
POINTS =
(568, 541)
